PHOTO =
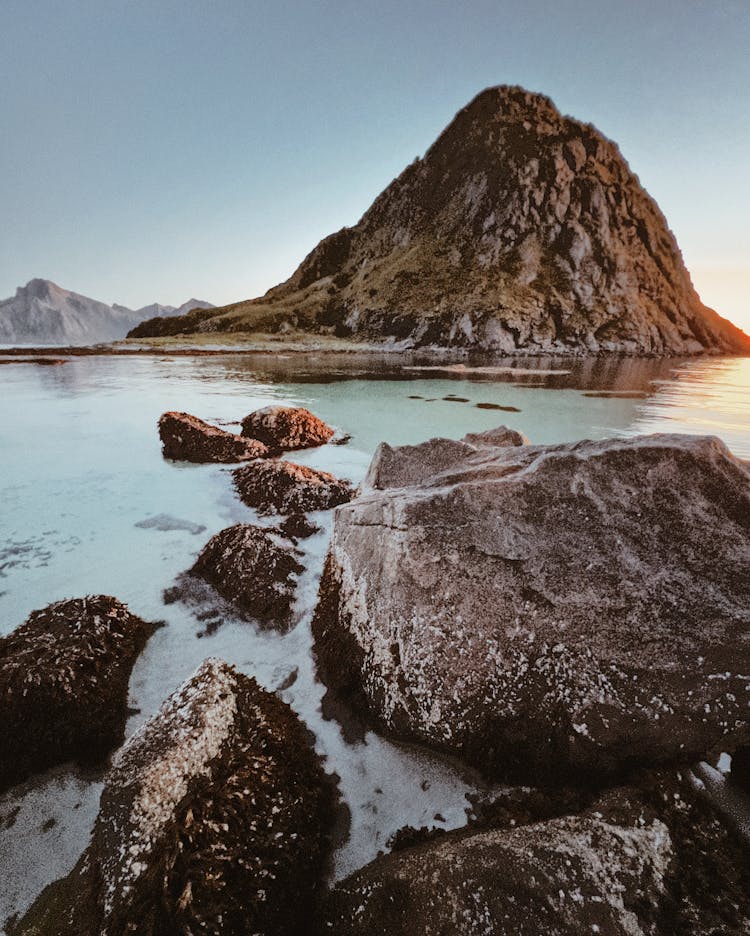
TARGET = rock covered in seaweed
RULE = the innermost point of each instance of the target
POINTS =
(186, 438)
(277, 486)
(212, 820)
(652, 860)
(64, 677)
(253, 568)
(546, 611)
(285, 428)
(297, 526)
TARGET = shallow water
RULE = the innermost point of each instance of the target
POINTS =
(81, 476)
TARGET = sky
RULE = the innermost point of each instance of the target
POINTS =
(154, 150)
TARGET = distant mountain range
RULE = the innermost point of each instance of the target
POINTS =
(41, 312)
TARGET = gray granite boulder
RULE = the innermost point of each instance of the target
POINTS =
(64, 677)
(212, 820)
(546, 612)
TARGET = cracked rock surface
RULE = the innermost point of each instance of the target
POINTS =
(546, 612)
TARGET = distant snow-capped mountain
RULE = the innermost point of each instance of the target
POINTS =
(41, 312)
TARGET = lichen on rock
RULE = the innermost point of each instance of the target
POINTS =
(187, 438)
(286, 428)
(546, 612)
(64, 678)
(252, 567)
(213, 819)
(278, 486)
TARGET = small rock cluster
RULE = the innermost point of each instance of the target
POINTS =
(252, 566)
(549, 614)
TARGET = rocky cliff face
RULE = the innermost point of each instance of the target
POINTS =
(520, 229)
(41, 312)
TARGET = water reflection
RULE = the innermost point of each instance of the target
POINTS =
(704, 396)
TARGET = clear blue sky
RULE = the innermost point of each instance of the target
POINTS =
(154, 150)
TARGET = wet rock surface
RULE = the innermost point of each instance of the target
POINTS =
(187, 438)
(285, 428)
(64, 677)
(648, 859)
(297, 526)
(546, 612)
(252, 567)
(277, 486)
(212, 820)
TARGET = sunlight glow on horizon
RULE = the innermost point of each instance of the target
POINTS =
(725, 289)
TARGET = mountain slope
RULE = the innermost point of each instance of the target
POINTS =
(41, 312)
(520, 229)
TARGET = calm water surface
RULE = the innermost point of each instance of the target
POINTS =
(80, 468)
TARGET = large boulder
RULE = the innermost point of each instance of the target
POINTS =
(546, 612)
(212, 820)
(252, 567)
(285, 428)
(187, 438)
(64, 677)
(277, 486)
(651, 861)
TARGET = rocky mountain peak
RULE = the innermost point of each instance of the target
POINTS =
(519, 230)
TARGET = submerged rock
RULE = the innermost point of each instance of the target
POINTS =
(253, 568)
(212, 820)
(546, 612)
(297, 526)
(187, 438)
(655, 860)
(277, 486)
(284, 428)
(64, 678)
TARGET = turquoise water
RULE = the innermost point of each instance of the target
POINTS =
(80, 468)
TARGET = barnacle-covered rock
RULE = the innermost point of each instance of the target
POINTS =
(64, 677)
(187, 438)
(212, 821)
(277, 486)
(546, 612)
(652, 860)
(252, 567)
(285, 428)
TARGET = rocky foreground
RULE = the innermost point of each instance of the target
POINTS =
(546, 612)
(213, 820)
(520, 230)
(571, 616)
